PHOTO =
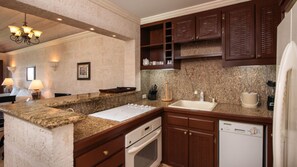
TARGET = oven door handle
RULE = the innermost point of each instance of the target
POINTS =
(136, 149)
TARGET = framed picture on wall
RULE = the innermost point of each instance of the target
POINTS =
(84, 71)
(30, 73)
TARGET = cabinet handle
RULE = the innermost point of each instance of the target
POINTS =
(197, 37)
(223, 16)
(105, 152)
(259, 56)
(190, 134)
(185, 132)
(193, 38)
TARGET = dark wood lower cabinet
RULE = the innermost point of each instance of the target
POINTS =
(201, 149)
(191, 143)
(111, 152)
(118, 160)
(177, 145)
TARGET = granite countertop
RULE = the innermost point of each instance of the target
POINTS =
(43, 113)
(222, 108)
(92, 125)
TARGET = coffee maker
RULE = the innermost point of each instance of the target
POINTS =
(270, 98)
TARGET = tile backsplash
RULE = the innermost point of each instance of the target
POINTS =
(208, 75)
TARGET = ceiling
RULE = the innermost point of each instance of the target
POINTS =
(146, 8)
(51, 29)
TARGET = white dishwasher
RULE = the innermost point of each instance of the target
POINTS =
(240, 145)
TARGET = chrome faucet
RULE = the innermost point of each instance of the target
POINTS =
(201, 95)
(213, 100)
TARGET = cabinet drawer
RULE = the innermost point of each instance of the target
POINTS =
(201, 123)
(173, 119)
(100, 153)
(118, 160)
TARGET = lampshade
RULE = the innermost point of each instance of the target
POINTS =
(18, 33)
(36, 84)
(13, 29)
(27, 29)
(7, 82)
(30, 35)
(37, 33)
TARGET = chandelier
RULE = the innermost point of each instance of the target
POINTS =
(24, 34)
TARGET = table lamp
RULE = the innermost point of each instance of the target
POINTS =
(36, 86)
(8, 82)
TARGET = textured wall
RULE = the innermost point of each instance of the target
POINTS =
(106, 55)
(85, 14)
(225, 84)
(27, 145)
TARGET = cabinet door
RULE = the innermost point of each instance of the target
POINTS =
(239, 32)
(268, 17)
(184, 29)
(118, 160)
(177, 147)
(208, 25)
(201, 149)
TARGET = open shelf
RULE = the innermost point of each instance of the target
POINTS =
(157, 45)
(152, 45)
(151, 67)
(198, 56)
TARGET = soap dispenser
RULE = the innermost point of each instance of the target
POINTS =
(201, 96)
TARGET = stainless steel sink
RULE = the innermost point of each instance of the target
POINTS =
(194, 105)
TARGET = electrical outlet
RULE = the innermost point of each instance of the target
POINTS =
(144, 96)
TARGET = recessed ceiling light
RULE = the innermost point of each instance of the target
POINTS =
(92, 29)
(59, 19)
(114, 36)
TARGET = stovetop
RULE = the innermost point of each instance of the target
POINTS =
(123, 113)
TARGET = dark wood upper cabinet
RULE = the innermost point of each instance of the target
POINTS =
(267, 19)
(205, 25)
(157, 46)
(239, 32)
(246, 32)
(184, 29)
(286, 5)
(208, 25)
(249, 33)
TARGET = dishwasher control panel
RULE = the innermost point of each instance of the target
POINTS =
(241, 128)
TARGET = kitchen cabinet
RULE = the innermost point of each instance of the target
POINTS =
(239, 32)
(190, 140)
(157, 46)
(201, 26)
(267, 18)
(249, 33)
(184, 29)
(118, 160)
(109, 153)
(177, 146)
(208, 25)
(196, 28)
(286, 5)
(201, 148)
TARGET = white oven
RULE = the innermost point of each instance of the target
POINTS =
(144, 145)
